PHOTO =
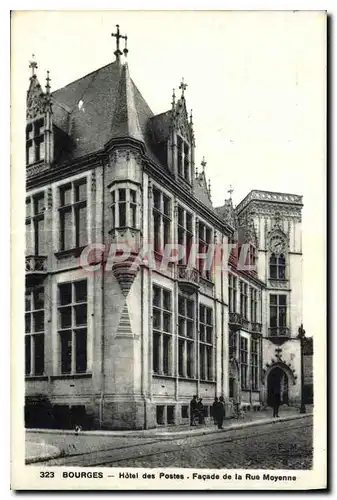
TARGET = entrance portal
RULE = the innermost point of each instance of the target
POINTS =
(278, 384)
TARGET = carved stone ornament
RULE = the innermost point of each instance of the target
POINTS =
(35, 100)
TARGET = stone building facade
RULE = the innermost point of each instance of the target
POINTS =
(126, 343)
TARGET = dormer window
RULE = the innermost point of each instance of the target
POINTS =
(183, 159)
(35, 141)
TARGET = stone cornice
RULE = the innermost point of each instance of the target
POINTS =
(267, 197)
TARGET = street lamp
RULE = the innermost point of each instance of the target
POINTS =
(301, 336)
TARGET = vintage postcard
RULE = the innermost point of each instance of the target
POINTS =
(168, 233)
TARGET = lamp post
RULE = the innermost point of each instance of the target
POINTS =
(301, 335)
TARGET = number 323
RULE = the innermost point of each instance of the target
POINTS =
(48, 474)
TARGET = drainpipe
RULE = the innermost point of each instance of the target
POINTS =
(101, 403)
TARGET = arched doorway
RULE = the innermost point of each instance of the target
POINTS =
(278, 384)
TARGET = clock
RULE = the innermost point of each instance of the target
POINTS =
(277, 244)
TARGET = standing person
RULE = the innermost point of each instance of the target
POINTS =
(215, 410)
(193, 409)
(200, 407)
(221, 412)
(276, 404)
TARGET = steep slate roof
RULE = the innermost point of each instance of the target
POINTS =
(101, 115)
(201, 190)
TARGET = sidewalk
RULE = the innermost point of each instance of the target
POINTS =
(68, 443)
(36, 452)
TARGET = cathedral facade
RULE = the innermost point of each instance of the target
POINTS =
(121, 331)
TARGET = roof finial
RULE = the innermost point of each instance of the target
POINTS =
(230, 191)
(182, 87)
(33, 65)
(125, 50)
(118, 36)
(209, 188)
(191, 118)
(48, 80)
(203, 163)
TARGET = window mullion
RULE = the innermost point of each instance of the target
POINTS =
(32, 357)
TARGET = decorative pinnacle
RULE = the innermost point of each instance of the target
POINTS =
(48, 80)
(33, 65)
(125, 50)
(173, 98)
(230, 191)
(182, 87)
(203, 163)
(191, 118)
(118, 36)
(209, 187)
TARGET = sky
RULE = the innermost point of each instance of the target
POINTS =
(256, 84)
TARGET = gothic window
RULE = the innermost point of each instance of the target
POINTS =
(204, 241)
(162, 220)
(206, 343)
(35, 230)
(183, 157)
(244, 362)
(186, 337)
(162, 342)
(278, 311)
(34, 332)
(185, 233)
(277, 267)
(255, 363)
(72, 312)
(124, 207)
(73, 215)
(232, 291)
(35, 141)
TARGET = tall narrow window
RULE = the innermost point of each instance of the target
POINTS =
(73, 215)
(72, 311)
(244, 362)
(232, 292)
(35, 225)
(253, 304)
(206, 343)
(185, 233)
(205, 238)
(162, 220)
(162, 343)
(35, 141)
(183, 156)
(124, 207)
(34, 332)
(255, 363)
(277, 267)
(243, 299)
(278, 311)
(186, 337)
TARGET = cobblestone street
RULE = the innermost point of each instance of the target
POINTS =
(275, 445)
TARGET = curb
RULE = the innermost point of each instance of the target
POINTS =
(172, 435)
(53, 452)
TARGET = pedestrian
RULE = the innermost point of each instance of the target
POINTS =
(201, 409)
(215, 407)
(193, 409)
(221, 412)
(276, 401)
(78, 429)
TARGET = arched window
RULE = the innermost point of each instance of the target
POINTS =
(277, 267)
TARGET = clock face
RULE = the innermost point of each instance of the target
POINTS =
(277, 244)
